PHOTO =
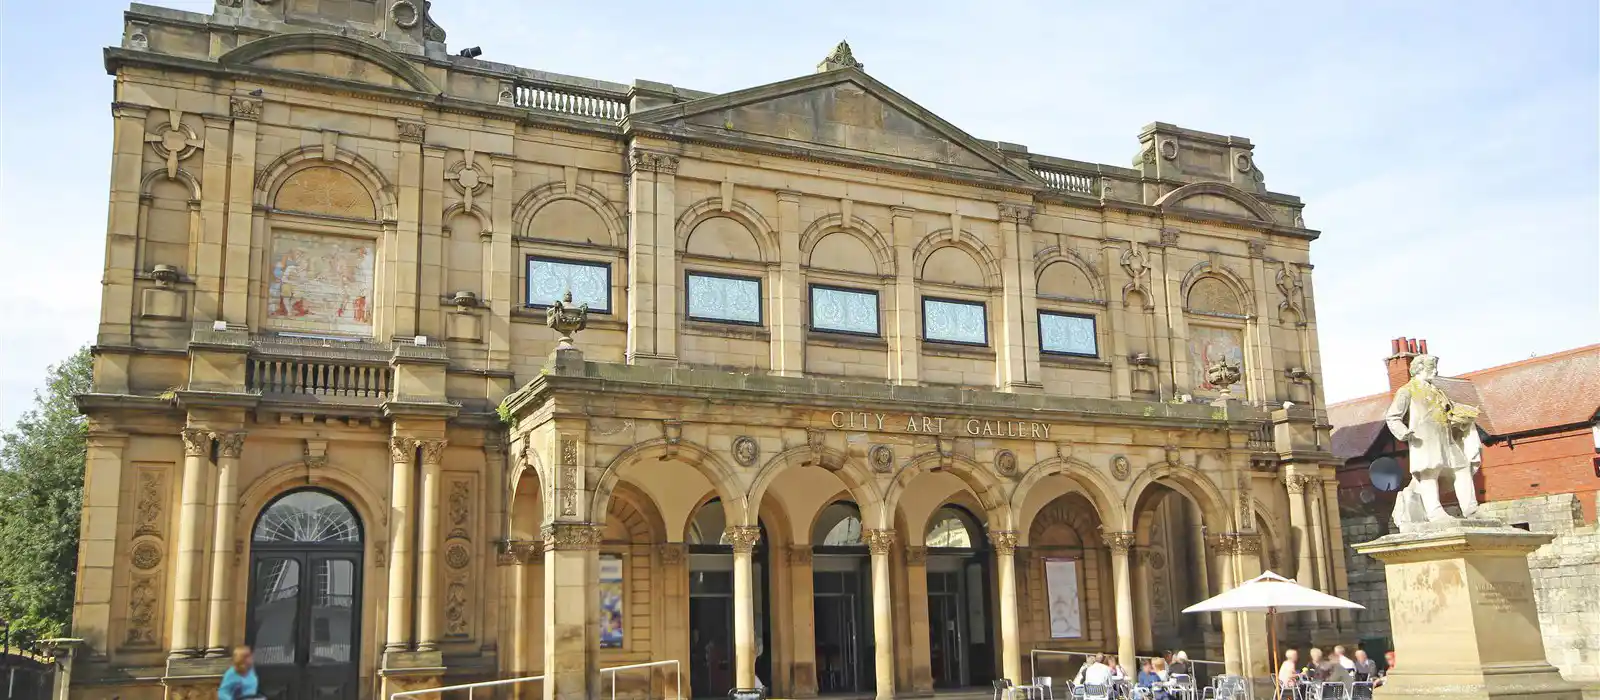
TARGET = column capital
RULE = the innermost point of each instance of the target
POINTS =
(231, 444)
(1021, 215)
(1298, 483)
(879, 541)
(402, 450)
(1121, 543)
(652, 161)
(244, 108)
(672, 553)
(196, 442)
(1004, 541)
(432, 450)
(743, 537)
(570, 536)
(519, 552)
(800, 555)
(916, 556)
(410, 130)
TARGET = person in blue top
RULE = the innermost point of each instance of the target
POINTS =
(240, 682)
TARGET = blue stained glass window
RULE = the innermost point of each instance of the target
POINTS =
(722, 298)
(549, 279)
(844, 310)
(1067, 334)
(954, 321)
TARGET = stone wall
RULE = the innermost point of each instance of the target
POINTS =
(1566, 576)
(1367, 585)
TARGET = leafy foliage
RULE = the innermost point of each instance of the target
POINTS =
(41, 496)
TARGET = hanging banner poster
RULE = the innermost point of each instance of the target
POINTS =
(1061, 591)
(610, 601)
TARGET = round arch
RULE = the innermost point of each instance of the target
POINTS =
(637, 513)
(977, 530)
(1055, 254)
(983, 485)
(528, 206)
(1244, 199)
(180, 176)
(964, 240)
(744, 214)
(716, 471)
(1204, 269)
(858, 482)
(272, 177)
(1190, 482)
(341, 483)
(1090, 482)
(475, 212)
(858, 227)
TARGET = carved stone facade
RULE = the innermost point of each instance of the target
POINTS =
(1002, 349)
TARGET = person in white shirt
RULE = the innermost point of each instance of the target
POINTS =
(1094, 672)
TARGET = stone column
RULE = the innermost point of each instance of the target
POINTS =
(191, 545)
(674, 599)
(1005, 559)
(905, 351)
(1300, 527)
(428, 569)
(1121, 544)
(219, 632)
(1139, 563)
(879, 542)
(803, 636)
(571, 605)
(402, 454)
(917, 611)
(1220, 549)
(744, 539)
(1252, 640)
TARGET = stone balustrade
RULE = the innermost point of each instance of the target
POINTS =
(1076, 183)
(564, 100)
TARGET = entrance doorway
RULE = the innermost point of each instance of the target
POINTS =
(961, 642)
(712, 670)
(841, 582)
(304, 618)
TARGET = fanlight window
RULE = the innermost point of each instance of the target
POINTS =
(308, 516)
(840, 525)
(949, 529)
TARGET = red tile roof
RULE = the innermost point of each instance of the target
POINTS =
(1541, 392)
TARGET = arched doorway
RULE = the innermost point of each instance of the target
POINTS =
(842, 609)
(961, 643)
(305, 604)
(711, 641)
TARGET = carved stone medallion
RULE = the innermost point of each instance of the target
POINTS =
(1169, 149)
(1120, 468)
(146, 555)
(746, 450)
(457, 557)
(1006, 463)
(882, 458)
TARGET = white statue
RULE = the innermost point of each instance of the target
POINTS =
(1443, 439)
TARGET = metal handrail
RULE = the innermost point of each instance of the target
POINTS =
(469, 687)
(677, 673)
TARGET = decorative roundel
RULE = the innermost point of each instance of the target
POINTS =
(1169, 149)
(146, 555)
(1120, 468)
(1242, 162)
(457, 557)
(1006, 462)
(882, 458)
(404, 14)
(745, 450)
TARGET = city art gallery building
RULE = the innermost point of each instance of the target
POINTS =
(862, 404)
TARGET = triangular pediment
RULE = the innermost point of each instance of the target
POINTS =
(844, 112)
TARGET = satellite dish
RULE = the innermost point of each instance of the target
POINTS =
(1386, 474)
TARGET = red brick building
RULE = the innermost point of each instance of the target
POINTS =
(1541, 441)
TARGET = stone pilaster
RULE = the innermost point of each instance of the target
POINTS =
(1018, 358)
(219, 630)
(1005, 554)
(428, 542)
(571, 597)
(186, 600)
(916, 559)
(803, 672)
(1300, 532)
(122, 228)
(744, 539)
(241, 209)
(97, 531)
(402, 301)
(905, 351)
(788, 341)
(879, 542)
(652, 258)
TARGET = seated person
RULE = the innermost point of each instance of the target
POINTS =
(1288, 673)
(1366, 669)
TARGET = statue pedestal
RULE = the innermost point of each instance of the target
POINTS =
(1462, 607)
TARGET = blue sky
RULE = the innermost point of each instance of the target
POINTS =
(1449, 151)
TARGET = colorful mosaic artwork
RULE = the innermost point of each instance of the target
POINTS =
(1206, 346)
(320, 284)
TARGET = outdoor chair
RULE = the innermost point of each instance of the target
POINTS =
(1046, 686)
(1001, 687)
(1286, 692)
(1227, 687)
(1183, 686)
(1095, 692)
(1362, 690)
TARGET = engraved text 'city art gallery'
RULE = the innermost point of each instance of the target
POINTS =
(939, 425)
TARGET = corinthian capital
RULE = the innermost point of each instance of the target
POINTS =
(196, 442)
(652, 161)
(1004, 541)
(743, 537)
(402, 449)
(1120, 542)
(230, 445)
(432, 450)
(878, 541)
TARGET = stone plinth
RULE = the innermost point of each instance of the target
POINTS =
(1462, 605)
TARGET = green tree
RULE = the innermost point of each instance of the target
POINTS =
(41, 496)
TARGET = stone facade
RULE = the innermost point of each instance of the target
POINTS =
(835, 349)
(1566, 579)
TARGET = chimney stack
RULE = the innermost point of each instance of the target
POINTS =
(1401, 352)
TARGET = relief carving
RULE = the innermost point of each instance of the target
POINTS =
(746, 450)
(460, 500)
(1006, 463)
(455, 611)
(1004, 542)
(196, 442)
(882, 458)
(570, 537)
(402, 449)
(743, 537)
(148, 509)
(1120, 542)
(142, 602)
(879, 541)
(432, 450)
(230, 445)
(1120, 468)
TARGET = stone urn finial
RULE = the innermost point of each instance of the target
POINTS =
(566, 319)
(1223, 374)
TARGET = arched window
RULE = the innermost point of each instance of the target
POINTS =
(839, 525)
(951, 528)
(709, 525)
(310, 517)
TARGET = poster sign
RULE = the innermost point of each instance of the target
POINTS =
(1061, 586)
(610, 601)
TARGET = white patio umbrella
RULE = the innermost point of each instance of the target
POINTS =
(1271, 594)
